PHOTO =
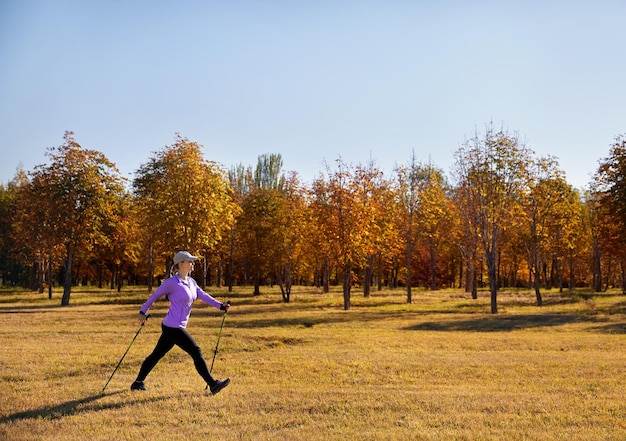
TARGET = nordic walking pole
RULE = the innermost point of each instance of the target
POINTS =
(218, 338)
(127, 349)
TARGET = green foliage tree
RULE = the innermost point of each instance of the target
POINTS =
(241, 181)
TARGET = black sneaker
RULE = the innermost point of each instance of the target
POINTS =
(138, 385)
(219, 385)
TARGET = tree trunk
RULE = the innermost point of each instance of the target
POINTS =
(572, 278)
(150, 267)
(493, 281)
(326, 275)
(119, 279)
(41, 274)
(231, 261)
(380, 272)
(536, 281)
(67, 285)
(49, 270)
(101, 276)
(283, 275)
(433, 277)
(623, 268)
(537, 286)
(257, 283)
(218, 277)
(288, 281)
(368, 277)
(409, 259)
(347, 285)
(204, 270)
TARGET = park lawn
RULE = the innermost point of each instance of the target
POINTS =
(442, 368)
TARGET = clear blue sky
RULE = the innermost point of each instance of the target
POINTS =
(311, 80)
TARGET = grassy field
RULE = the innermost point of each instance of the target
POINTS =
(442, 368)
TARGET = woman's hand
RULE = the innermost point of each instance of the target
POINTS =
(142, 319)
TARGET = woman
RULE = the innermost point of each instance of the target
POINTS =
(181, 290)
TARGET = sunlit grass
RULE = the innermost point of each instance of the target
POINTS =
(442, 368)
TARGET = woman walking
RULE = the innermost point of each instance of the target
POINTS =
(181, 290)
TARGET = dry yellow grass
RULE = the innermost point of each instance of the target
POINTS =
(442, 368)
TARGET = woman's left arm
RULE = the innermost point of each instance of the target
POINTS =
(210, 300)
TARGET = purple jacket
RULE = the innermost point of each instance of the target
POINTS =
(182, 295)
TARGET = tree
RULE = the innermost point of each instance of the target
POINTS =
(120, 251)
(76, 191)
(262, 217)
(410, 181)
(291, 257)
(241, 181)
(547, 215)
(185, 201)
(610, 180)
(10, 263)
(35, 239)
(492, 178)
(373, 198)
(262, 211)
(608, 199)
(435, 219)
(346, 217)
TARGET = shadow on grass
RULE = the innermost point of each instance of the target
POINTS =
(500, 323)
(74, 407)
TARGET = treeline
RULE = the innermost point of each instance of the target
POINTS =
(503, 218)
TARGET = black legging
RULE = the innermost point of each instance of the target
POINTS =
(181, 338)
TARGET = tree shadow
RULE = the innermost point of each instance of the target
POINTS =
(500, 323)
(74, 407)
(613, 328)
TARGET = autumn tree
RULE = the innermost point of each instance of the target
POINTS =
(548, 215)
(568, 236)
(14, 256)
(338, 215)
(120, 253)
(410, 181)
(260, 225)
(609, 208)
(346, 218)
(491, 172)
(76, 190)
(184, 201)
(372, 199)
(6, 199)
(34, 235)
(435, 219)
(321, 246)
(292, 257)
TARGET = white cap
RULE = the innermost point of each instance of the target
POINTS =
(183, 256)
